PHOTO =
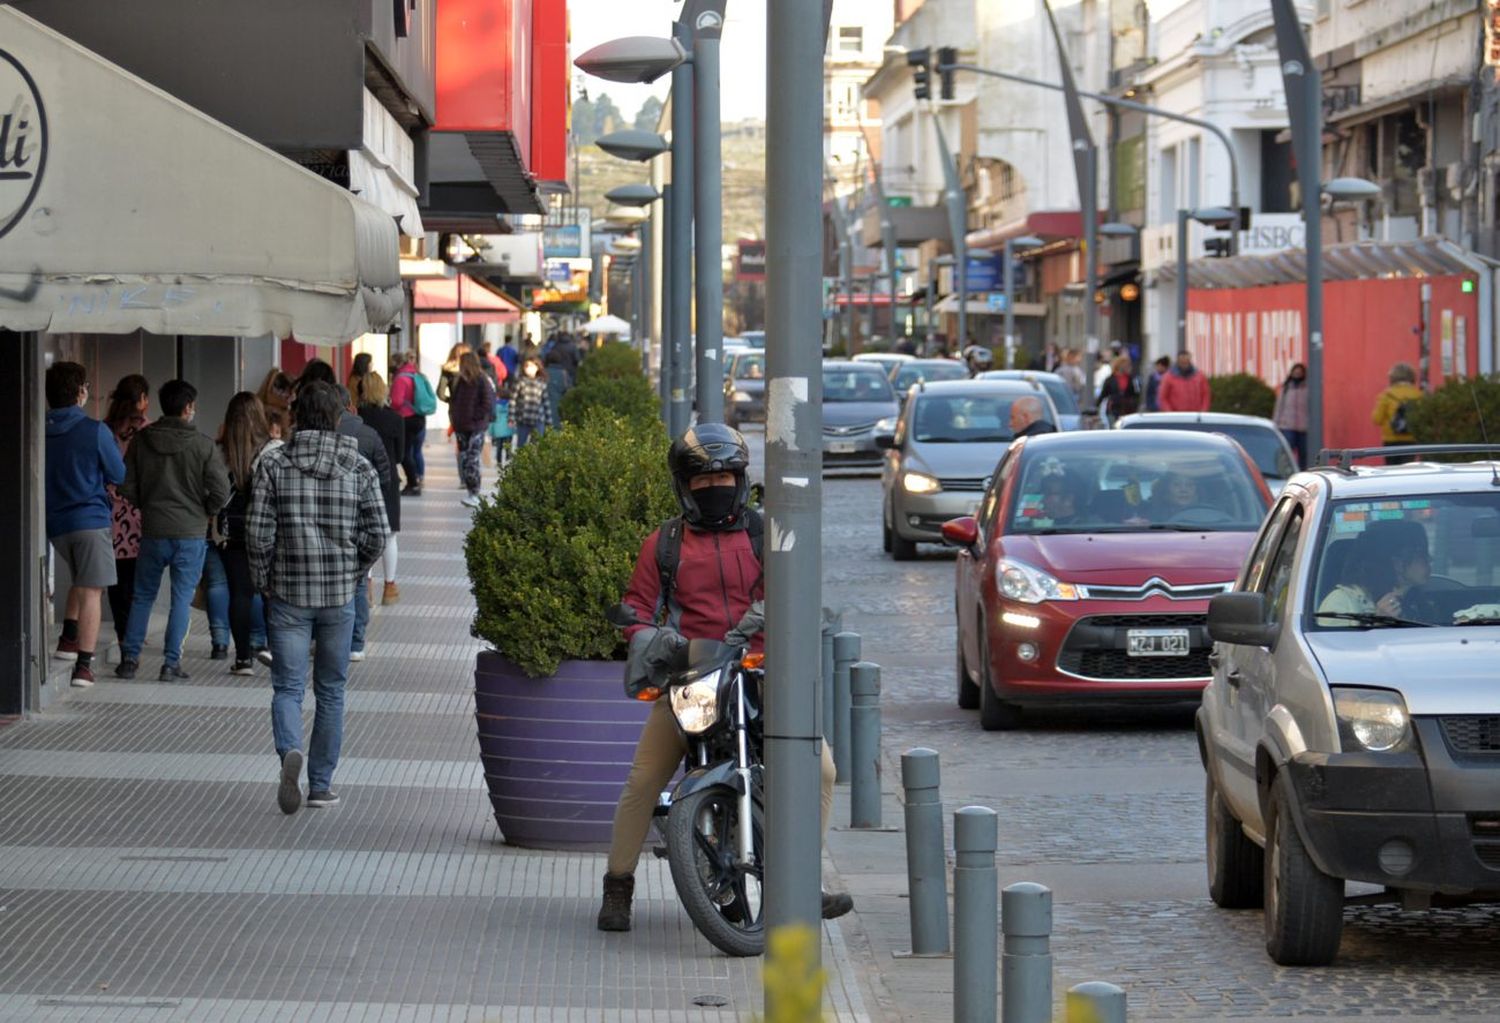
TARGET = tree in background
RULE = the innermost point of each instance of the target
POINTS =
(649, 115)
(595, 117)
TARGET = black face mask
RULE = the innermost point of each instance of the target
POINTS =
(716, 503)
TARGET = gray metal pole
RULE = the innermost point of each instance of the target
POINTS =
(1089, 204)
(958, 227)
(869, 308)
(708, 223)
(1183, 216)
(830, 626)
(1010, 313)
(864, 745)
(976, 834)
(1312, 218)
(648, 287)
(681, 230)
(926, 868)
(1026, 960)
(1095, 1002)
(845, 653)
(794, 461)
(668, 311)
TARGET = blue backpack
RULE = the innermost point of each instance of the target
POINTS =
(423, 397)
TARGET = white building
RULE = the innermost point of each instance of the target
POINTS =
(856, 39)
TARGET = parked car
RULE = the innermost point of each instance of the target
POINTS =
(945, 446)
(745, 388)
(904, 374)
(1352, 728)
(1070, 416)
(856, 396)
(754, 338)
(1086, 575)
(1261, 438)
(885, 360)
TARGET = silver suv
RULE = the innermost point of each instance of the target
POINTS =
(1351, 731)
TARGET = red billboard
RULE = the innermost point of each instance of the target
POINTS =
(751, 262)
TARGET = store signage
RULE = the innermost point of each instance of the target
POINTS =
(23, 141)
(752, 262)
(983, 272)
(563, 241)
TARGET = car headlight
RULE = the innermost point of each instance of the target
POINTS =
(741, 396)
(1019, 581)
(886, 425)
(696, 705)
(1371, 719)
(919, 483)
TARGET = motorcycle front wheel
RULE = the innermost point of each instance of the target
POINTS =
(724, 900)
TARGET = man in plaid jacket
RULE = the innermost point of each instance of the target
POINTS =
(315, 524)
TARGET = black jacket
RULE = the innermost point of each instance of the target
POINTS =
(472, 406)
(1122, 401)
(387, 422)
(1037, 428)
(371, 447)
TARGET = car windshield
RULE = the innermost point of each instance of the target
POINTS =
(1061, 394)
(962, 418)
(1127, 485)
(750, 366)
(856, 383)
(1396, 563)
(1263, 444)
(908, 373)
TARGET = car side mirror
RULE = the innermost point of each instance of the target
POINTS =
(885, 441)
(961, 532)
(1241, 619)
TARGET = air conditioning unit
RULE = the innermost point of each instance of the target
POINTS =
(514, 256)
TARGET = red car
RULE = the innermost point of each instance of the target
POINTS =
(1086, 575)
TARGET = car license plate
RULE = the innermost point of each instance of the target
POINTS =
(841, 447)
(1157, 642)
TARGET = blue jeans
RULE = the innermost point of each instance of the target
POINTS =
(361, 614)
(524, 434)
(184, 558)
(216, 589)
(294, 632)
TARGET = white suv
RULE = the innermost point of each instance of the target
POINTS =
(1351, 731)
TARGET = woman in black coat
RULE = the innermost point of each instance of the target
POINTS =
(387, 422)
(471, 408)
(1121, 394)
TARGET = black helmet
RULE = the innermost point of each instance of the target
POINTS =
(709, 447)
(980, 359)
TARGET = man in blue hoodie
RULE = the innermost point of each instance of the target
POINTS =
(82, 457)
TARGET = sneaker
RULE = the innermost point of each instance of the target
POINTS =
(219, 653)
(263, 655)
(325, 798)
(172, 673)
(127, 668)
(390, 594)
(289, 792)
(67, 650)
(243, 668)
(356, 655)
(469, 500)
(82, 677)
(836, 905)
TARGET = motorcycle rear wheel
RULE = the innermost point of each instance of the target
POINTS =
(724, 900)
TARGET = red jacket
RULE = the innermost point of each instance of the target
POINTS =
(1180, 393)
(403, 391)
(717, 578)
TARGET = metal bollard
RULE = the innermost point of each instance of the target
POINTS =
(830, 626)
(926, 868)
(1095, 1002)
(845, 653)
(1026, 960)
(864, 745)
(976, 834)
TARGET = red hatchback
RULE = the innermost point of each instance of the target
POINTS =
(1086, 575)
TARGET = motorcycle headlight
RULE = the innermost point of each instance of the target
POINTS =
(1371, 719)
(920, 483)
(696, 705)
(1021, 582)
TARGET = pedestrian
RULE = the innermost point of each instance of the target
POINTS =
(363, 363)
(1392, 408)
(175, 476)
(410, 394)
(1121, 394)
(213, 592)
(1291, 411)
(1026, 418)
(501, 431)
(716, 578)
(82, 458)
(126, 417)
(245, 436)
(384, 420)
(530, 412)
(561, 363)
(1071, 372)
(1159, 370)
(1052, 357)
(1184, 388)
(372, 450)
(315, 524)
(1105, 364)
(495, 371)
(446, 379)
(275, 391)
(471, 409)
(508, 356)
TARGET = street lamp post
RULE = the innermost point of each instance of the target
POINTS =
(957, 204)
(1211, 217)
(1012, 246)
(708, 208)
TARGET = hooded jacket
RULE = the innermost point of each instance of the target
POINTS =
(1387, 405)
(471, 406)
(1183, 391)
(371, 447)
(82, 457)
(175, 476)
(316, 521)
(717, 578)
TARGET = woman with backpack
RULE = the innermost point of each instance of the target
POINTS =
(530, 411)
(471, 406)
(1391, 410)
(246, 434)
(414, 400)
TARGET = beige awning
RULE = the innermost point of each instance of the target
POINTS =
(131, 210)
(948, 305)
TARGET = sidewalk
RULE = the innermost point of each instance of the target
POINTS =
(147, 875)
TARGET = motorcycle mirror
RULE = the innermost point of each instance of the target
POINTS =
(622, 615)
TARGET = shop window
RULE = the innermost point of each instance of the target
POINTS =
(1276, 174)
(851, 39)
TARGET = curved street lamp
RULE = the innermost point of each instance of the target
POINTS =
(636, 195)
(631, 144)
(633, 59)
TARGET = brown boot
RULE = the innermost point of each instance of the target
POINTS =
(391, 594)
(614, 915)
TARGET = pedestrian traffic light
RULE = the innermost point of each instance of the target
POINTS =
(920, 61)
(1218, 248)
(947, 57)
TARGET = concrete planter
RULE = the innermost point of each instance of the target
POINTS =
(555, 750)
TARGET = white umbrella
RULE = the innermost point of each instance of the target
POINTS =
(606, 325)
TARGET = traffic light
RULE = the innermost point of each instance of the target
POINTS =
(1218, 248)
(920, 60)
(947, 57)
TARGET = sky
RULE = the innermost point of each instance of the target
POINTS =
(742, 53)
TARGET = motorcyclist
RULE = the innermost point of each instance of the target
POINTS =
(718, 576)
(979, 359)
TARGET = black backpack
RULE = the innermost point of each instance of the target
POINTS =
(669, 549)
(1398, 419)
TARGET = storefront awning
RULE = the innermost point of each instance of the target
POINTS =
(440, 301)
(130, 210)
(981, 307)
(1425, 257)
(1044, 224)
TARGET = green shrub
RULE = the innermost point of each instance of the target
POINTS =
(612, 359)
(1451, 414)
(630, 397)
(553, 549)
(1241, 393)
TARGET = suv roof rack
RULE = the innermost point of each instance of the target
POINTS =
(1340, 459)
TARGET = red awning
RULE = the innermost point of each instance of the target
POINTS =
(1045, 224)
(440, 301)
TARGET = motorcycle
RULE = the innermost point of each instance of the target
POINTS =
(712, 819)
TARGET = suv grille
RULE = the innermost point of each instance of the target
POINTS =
(848, 430)
(1472, 734)
(1096, 648)
(962, 484)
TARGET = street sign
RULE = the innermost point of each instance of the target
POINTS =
(983, 271)
(898, 200)
(996, 301)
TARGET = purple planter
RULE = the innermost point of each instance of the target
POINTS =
(555, 750)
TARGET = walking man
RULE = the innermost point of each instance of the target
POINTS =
(315, 525)
(175, 476)
(1184, 388)
(82, 457)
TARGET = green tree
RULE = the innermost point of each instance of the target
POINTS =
(647, 117)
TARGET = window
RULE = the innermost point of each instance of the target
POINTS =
(1168, 180)
(1279, 579)
(851, 39)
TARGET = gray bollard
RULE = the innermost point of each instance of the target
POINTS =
(845, 653)
(864, 745)
(976, 833)
(830, 626)
(926, 868)
(1026, 960)
(1095, 1002)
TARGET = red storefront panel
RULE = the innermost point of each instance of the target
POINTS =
(550, 90)
(1368, 326)
(476, 76)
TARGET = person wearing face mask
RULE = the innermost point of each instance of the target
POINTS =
(1291, 412)
(530, 411)
(717, 576)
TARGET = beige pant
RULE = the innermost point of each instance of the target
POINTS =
(657, 755)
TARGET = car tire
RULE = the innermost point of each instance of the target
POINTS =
(1304, 906)
(1236, 865)
(995, 714)
(885, 532)
(901, 548)
(968, 692)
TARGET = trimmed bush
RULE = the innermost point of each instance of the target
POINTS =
(613, 359)
(553, 549)
(1241, 393)
(1451, 414)
(630, 397)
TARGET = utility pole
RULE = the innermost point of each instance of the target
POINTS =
(708, 207)
(680, 232)
(957, 204)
